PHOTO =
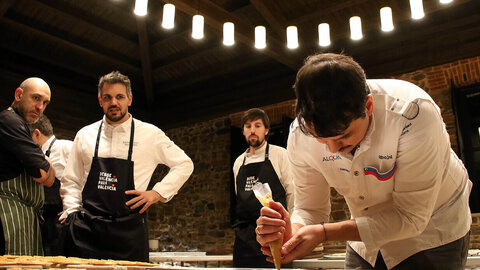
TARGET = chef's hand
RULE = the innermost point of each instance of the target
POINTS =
(145, 198)
(272, 223)
(302, 242)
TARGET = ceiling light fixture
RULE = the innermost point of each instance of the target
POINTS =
(416, 7)
(168, 19)
(197, 26)
(140, 7)
(356, 28)
(324, 34)
(292, 37)
(228, 34)
(445, 1)
(260, 37)
(386, 19)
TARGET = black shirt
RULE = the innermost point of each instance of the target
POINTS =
(17, 149)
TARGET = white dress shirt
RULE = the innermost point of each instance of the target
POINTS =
(405, 187)
(150, 147)
(58, 154)
(279, 159)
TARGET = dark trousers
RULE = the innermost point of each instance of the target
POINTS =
(449, 256)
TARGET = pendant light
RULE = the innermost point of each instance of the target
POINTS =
(292, 37)
(168, 19)
(228, 34)
(416, 7)
(260, 37)
(356, 28)
(140, 7)
(324, 34)
(386, 19)
(197, 26)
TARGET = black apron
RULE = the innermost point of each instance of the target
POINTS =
(246, 249)
(106, 228)
(51, 227)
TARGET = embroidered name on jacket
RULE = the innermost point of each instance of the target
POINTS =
(331, 158)
(107, 181)
(380, 176)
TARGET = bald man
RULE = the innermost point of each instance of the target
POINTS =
(24, 171)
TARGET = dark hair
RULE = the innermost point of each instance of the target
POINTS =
(254, 114)
(43, 124)
(115, 77)
(331, 91)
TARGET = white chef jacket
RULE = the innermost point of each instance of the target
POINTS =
(405, 187)
(58, 154)
(150, 147)
(279, 159)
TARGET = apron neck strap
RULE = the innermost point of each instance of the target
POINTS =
(50, 147)
(266, 155)
(130, 146)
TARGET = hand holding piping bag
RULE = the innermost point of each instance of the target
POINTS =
(264, 195)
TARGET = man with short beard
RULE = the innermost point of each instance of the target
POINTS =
(265, 163)
(24, 171)
(104, 188)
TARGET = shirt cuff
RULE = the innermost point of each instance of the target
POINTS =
(67, 212)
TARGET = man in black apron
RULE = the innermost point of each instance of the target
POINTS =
(255, 165)
(23, 171)
(106, 208)
(58, 151)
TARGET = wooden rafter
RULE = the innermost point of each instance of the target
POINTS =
(215, 16)
(276, 21)
(144, 47)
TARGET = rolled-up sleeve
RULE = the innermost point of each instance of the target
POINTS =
(73, 179)
(181, 166)
(422, 158)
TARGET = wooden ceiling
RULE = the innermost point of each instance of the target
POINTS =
(179, 80)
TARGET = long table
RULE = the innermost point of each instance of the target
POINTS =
(180, 258)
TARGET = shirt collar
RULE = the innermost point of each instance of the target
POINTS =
(125, 126)
(259, 151)
(47, 144)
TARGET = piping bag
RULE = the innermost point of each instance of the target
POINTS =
(264, 195)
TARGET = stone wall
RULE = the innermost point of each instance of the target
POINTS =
(197, 218)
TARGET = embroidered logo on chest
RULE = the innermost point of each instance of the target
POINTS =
(331, 158)
(379, 175)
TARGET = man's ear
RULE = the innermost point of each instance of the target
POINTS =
(18, 94)
(100, 101)
(130, 98)
(369, 105)
(266, 131)
(36, 136)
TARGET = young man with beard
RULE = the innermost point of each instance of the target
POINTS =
(24, 171)
(264, 163)
(57, 150)
(104, 188)
(383, 145)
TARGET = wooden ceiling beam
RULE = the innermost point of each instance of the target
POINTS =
(97, 22)
(215, 16)
(208, 72)
(55, 42)
(5, 5)
(278, 22)
(144, 48)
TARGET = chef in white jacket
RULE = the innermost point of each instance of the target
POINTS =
(383, 145)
